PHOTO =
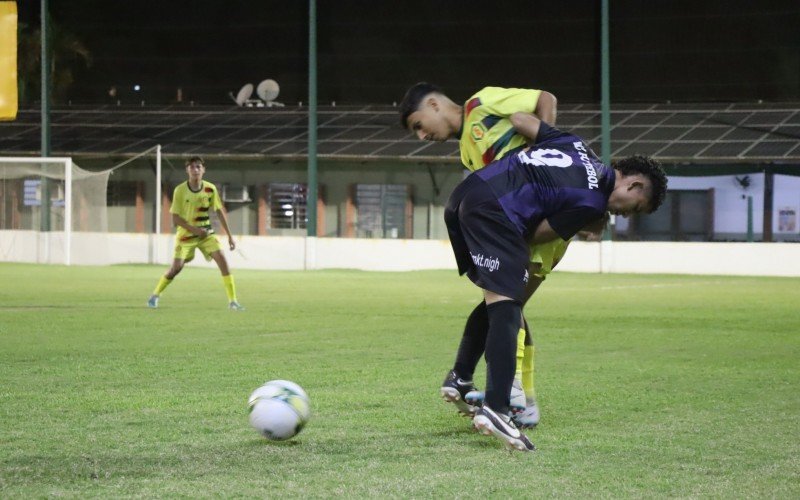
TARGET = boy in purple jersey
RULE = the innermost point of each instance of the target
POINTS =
(549, 190)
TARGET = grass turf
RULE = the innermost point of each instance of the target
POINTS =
(653, 385)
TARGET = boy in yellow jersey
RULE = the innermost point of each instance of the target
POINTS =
(192, 202)
(491, 123)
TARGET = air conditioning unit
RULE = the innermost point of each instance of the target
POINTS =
(235, 194)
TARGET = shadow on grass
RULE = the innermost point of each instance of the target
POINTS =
(264, 442)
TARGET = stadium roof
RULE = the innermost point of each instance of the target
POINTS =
(671, 132)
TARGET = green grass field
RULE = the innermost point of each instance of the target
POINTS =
(650, 386)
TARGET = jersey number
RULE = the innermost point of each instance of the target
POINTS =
(545, 158)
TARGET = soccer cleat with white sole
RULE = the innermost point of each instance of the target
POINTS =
(516, 403)
(235, 306)
(152, 302)
(453, 391)
(529, 417)
(491, 423)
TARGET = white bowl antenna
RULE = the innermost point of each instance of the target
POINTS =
(244, 94)
(268, 91)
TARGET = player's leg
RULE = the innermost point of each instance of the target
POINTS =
(164, 281)
(227, 280)
(504, 321)
(490, 251)
(492, 418)
(522, 390)
(544, 259)
(458, 382)
(529, 416)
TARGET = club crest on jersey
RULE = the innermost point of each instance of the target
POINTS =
(477, 131)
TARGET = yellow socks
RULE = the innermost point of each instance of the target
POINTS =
(527, 374)
(520, 353)
(230, 287)
(162, 284)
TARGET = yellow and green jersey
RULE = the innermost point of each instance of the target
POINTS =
(486, 132)
(194, 206)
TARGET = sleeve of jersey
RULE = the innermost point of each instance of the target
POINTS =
(177, 201)
(547, 133)
(216, 203)
(505, 102)
(568, 222)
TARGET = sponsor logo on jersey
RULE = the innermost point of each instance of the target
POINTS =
(591, 173)
(490, 263)
(477, 131)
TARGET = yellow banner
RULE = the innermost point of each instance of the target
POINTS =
(8, 60)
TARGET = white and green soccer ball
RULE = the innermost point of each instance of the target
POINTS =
(279, 409)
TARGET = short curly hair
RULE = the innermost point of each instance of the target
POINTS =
(651, 169)
(413, 98)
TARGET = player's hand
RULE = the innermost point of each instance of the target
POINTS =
(231, 244)
(201, 233)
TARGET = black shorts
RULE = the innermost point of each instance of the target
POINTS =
(487, 246)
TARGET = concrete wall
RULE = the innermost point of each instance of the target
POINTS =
(297, 253)
(337, 176)
(335, 179)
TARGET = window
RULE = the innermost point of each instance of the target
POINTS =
(686, 215)
(383, 211)
(287, 205)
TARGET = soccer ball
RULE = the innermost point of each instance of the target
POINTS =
(279, 409)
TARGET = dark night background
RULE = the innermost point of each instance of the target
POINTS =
(371, 51)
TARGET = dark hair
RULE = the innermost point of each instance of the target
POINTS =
(413, 99)
(195, 159)
(651, 169)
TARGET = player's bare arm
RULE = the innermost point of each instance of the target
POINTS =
(223, 220)
(177, 220)
(526, 125)
(546, 108)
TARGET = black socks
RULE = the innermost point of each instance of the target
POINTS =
(501, 352)
(472, 342)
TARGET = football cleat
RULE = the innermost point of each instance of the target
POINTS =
(491, 423)
(527, 418)
(453, 391)
(516, 402)
(152, 302)
(235, 306)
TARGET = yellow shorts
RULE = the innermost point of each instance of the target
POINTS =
(547, 255)
(184, 250)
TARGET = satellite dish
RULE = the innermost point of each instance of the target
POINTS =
(268, 91)
(244, 94)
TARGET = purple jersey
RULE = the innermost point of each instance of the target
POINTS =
(558, 179)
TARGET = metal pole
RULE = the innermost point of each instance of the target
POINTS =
(605, 99)
(750, 237)
(769, 202)
(311, 199)
(45, 57)
(68, 212)
(158, 204)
